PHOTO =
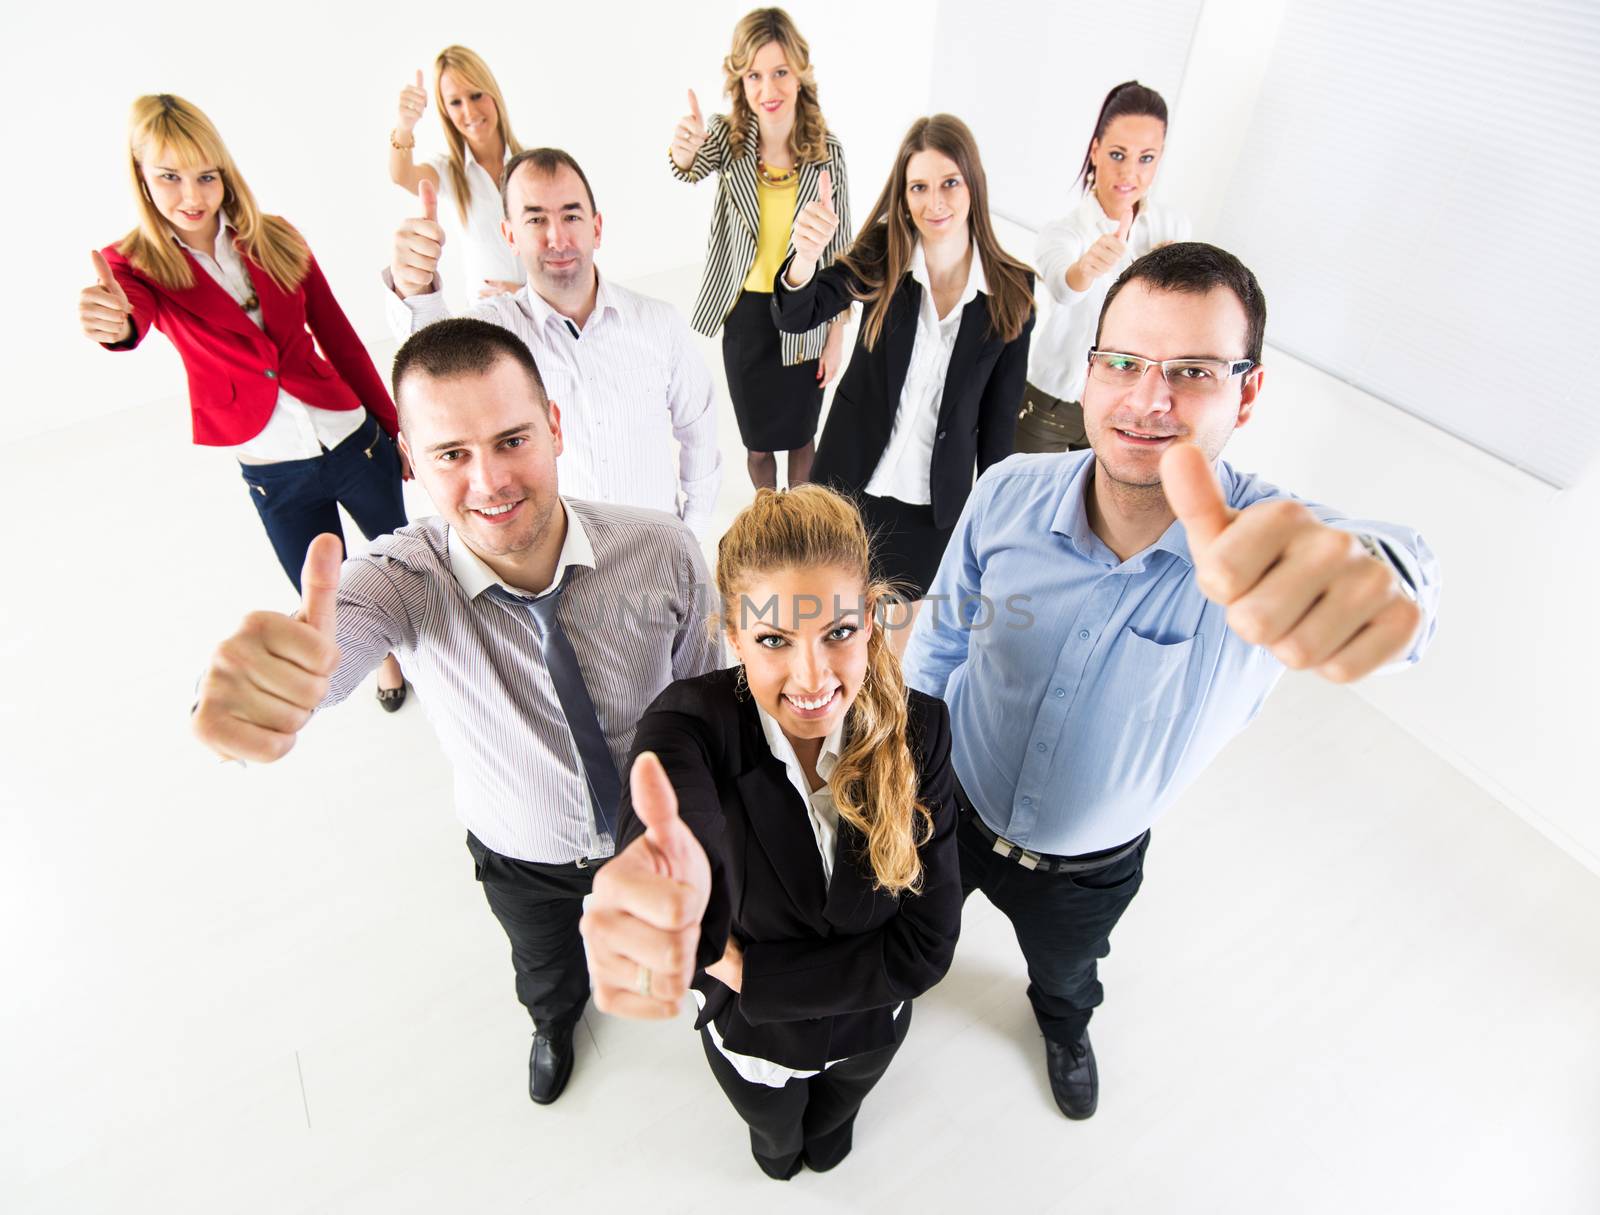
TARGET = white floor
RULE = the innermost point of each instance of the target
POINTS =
(1352, 981)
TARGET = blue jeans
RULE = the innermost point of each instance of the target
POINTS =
(298, 500)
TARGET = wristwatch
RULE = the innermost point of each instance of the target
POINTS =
(1378, 549)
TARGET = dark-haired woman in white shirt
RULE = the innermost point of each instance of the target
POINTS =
(1080, 256)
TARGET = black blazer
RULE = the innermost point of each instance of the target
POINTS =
(824, 966)
(982, 390)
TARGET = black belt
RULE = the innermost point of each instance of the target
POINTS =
(1043, 862)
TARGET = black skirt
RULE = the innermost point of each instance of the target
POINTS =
(777, 406)
(906, 544)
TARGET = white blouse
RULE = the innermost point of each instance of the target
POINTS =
(825, 828)
(485, 254)
(905, 469)
(1058, 357)
(295, 431)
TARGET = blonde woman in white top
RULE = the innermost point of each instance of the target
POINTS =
(478, 135)
(1080, 256)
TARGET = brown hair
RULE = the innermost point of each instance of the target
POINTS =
(874, 784)
(1194, 268)
(881, 252)
(473, 72)
(161, 124)
(808, 139)
(546, 162)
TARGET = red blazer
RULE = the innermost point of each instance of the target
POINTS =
(235, 368)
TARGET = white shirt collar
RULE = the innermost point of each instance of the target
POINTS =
(225, 238)
(541, 311)
(977, 281)
(475, 576)
(782, 749)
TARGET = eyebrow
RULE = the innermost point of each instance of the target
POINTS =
(448, 444)
(850, 616)
(1122, 147)
(207, 169)
(538, 210)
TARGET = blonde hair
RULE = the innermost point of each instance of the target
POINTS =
(472, 71)
(881, 253)
(874, 785)
(167, 126)
(808, 138)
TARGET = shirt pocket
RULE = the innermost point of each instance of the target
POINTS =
(1152, 680)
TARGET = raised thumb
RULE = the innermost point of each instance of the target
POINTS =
(430, 199)
(319, 583)
(1194, 494)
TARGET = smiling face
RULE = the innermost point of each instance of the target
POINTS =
(1129, 427)
(553, 229)
(470, 110)
(484, 447)
(802, 637)
(937, 196)
(189, 197)
(770, 86)
(1125, 160)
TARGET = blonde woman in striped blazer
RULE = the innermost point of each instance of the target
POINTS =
(772, 152)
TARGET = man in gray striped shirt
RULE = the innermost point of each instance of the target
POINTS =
(450, 596)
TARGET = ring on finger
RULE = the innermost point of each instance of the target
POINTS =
(641, 981)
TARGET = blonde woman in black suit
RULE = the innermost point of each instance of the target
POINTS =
(787, 846)
(773, 152)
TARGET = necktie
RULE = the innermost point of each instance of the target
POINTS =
(600, 773)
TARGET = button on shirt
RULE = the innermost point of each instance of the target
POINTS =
(1089, 692)
(628, 383)
(295, 431)
(905, 468)
(485, 253)
(635, 613)
(1058, 360)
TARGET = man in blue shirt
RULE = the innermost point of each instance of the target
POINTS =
(1103, 622)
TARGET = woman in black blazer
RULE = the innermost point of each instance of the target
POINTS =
(804, 871)
(939, 368)
(772, 154)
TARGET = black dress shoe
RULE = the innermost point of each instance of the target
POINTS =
(549, 1063)
(392, 698)
(1074, 1078)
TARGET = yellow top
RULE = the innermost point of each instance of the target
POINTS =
(772, 241)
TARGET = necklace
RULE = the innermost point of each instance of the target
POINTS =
(780, 178)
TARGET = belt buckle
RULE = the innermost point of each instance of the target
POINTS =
(1016, 852)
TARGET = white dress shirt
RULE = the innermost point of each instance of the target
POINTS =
(1058, 359)
(904, 471)
(295, 431)
(628, 383)
(825, 828)
(485, 252)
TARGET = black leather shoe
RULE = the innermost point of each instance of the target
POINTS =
(549, 1063)
(392, 698)
(1074, 1078)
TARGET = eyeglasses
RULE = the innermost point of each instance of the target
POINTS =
(1185, 377)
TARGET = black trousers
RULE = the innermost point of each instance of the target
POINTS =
(539, 906)
(815, 1115)
(1063, 923)
(298, 500)
(1048, 423)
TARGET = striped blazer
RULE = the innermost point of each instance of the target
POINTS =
(731, 250)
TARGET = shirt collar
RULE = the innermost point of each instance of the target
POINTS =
(539, 308)
(977, 280)
(475, 576)
(1072, 518)
(782, 749)
(225, 238)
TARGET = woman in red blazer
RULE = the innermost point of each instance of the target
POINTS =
(240, 296)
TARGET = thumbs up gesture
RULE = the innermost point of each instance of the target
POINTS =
(264, 681)
(814, 227)
(413, 100)
(642, 922)
(1310, 594)
(103, 309)
(417, 245)
(1102, 256)
(689, 134)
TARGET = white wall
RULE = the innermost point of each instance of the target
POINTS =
(1507, 693)
(305, 101)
